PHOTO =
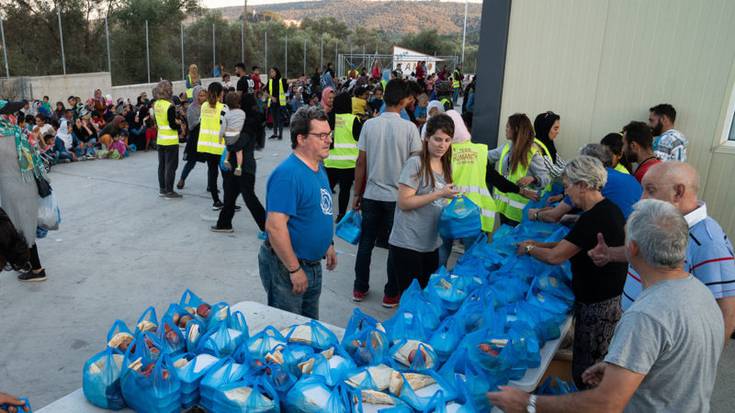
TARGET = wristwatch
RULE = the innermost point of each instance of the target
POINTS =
(529, 248)
(531, 408)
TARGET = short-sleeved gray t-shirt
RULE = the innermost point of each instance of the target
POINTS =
(388, 141)
(418, 229)
(673, 334)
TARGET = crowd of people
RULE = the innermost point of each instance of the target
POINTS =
(652, 296)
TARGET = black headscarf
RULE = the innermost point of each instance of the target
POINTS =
(542, 125)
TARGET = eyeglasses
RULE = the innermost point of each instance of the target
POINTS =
(322, 136)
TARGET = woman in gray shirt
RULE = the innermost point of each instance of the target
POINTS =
(423, 187)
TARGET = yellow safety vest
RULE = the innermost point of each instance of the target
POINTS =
(469, 167)
(344, 154)
(620, 168)
(383, 82)
(209, 128)
(166, 135)
(445, 102)
(190, 91)
(508, 204)
(548, 154)
(281, 93)
(455, 81)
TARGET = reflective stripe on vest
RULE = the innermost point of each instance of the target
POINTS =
(469, 167)
(281, 93)
(344, 154)
(166, 135)
(209, 140)
(547, 188)
(508, 204)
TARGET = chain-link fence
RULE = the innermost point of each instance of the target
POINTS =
(137, 50)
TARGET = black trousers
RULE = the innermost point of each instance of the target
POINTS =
(35, 259)
(409, 265)
(168, 161)
(345, 178)
(212, 173)
(234, 186)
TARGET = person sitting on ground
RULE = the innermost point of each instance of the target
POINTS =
(614, 142)
(424, 185)
(668, 143)
(112, 131)
(665, 350)
(232, 123)
(86, 135)
(596, 290)
(710, 256)
(638, 147)
(64, 136)
(622, 189)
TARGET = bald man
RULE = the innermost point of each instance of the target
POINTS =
(710, 256)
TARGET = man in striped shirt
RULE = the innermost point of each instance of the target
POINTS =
(668, 143)
(710, 256)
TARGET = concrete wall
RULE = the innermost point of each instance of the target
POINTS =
(602, 63)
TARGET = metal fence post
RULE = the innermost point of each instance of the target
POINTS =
(107, 35)
(214, 50)
(147, 53)
(265, 68)
(61, 40)
(242, 39)
(321, 52)
(5, 50)
(304, 56)
(285, 55)
(183, 65)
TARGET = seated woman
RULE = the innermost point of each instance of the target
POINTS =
(596, 290)
(621, 188)
(112, 130)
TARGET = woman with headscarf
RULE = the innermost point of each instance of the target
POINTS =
(547, 127)
(112, 130)
(327, 103)
(432, 109)
(191, 156)
(20, 166)
(340, 163)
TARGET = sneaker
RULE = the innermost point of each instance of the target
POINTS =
(390, 302)
(358, 296)
(217, 206)
(31, 276)
(173, 195)
(161, 193)
(273, 137)
(238, 171)
(215, 228)
(262, 235)
(237, 208)
(180, 184)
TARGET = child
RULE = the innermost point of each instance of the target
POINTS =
(376, 102)
(232, 124)
(424, 184)
(421, 109)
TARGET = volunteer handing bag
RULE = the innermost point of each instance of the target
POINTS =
(349, 227)
(460, 219)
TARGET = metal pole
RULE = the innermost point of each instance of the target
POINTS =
(214, 50)
(5, 50)
(321, 53)
(336, 56)
(304, 56)
(464, 29)
(147, 53)
(242, 39)
(285, 55)
(265, 68)
(107, 34)
(183, 65)
(61, 39)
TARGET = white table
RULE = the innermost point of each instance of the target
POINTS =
(259, 316)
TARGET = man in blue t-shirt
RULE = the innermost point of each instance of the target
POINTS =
(621, 189)
(300, 221)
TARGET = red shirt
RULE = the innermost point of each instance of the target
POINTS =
(257, 84)
(640, 172)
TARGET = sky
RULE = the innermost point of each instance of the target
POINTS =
(224, 3)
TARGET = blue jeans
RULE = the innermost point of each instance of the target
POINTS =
(376, 215)
(446, 248)
(455, 96)
(277, 114)
(277, 283)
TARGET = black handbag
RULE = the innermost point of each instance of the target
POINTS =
(44, 187)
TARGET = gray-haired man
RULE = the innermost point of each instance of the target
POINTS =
(664, 354)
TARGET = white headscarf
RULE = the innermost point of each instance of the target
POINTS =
(433, 104)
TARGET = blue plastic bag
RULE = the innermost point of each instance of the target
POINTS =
(190, 369)
(365, 339)
(101, 379)
(413, 355)
(419, 399)
(472, 382)
(190, 300)
(148, 321)
(447, 337)
(460, 219)
(27, 405)
(49, 213)
(312, 333)
(554, 386)
(350, 227)
(406, 325)
(311, 394)
(222, 159)
(227, 372)
(172, 339)
(439, 404)
(333, 364)
(363, 400)
(154, 390)
(246, 395)
(264, 342)
(119, 337)
(221, 341)
(414, 300)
